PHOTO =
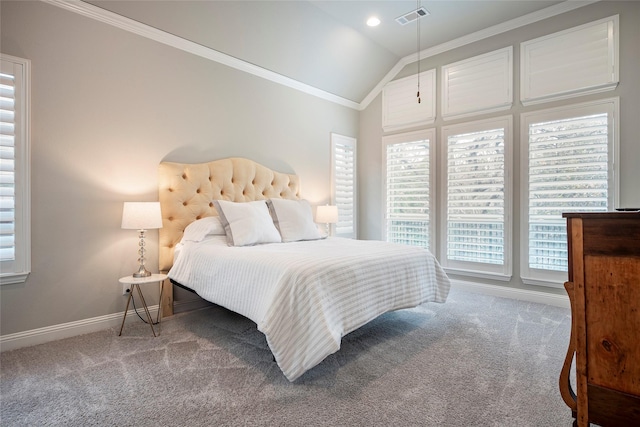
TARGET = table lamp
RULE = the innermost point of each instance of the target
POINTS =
(327, 215)
(141, 216)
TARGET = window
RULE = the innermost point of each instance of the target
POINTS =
(568, 166)
(570, 63)
(343, 184)
(477, 198)
(409, 176)
(15, 259)
(400, 106)
(478, 85)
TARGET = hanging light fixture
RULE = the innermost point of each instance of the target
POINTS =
(408, 17)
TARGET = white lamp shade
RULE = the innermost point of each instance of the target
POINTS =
(141, 215)
(327, 214)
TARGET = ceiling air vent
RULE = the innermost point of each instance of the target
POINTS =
(412, 16)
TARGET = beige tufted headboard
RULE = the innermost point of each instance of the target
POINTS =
(187, 191)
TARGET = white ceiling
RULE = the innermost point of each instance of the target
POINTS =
(324, 44)
(448, 20)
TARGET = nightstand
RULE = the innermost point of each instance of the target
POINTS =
(135, 283)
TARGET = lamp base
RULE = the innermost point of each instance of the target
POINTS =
(142, 272)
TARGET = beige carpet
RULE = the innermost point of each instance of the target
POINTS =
(474, 361)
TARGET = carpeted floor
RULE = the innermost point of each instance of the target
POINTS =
(474, 361)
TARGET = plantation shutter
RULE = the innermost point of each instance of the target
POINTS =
(15, 240)
(476, 197)
(478, 85)
(344, 184)
(568, 172)
(400, 106)
(570, 63)
(408, 198)
(7, 166)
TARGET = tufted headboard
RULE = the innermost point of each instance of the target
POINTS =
(187, 191)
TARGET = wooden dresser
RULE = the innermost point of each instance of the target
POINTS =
(604, 289)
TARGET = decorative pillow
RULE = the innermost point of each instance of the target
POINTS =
(199, 229)
(294, 219)
(247, 223)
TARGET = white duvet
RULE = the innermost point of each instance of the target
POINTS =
(305, 296)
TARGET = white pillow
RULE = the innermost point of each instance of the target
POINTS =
(199, 229)
(247, 223)
(294, 219)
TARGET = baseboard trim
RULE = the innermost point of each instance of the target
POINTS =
(67, 330)
(95, 324)
(513, 293)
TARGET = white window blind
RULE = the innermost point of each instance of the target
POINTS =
(7, 166)
(477, 197)
(343, 183)
(569, 170)
(14, 185)
(477, 85)
(400, 107)
(570, 63)
(408, 179)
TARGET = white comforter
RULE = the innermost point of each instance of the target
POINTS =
(305, 296)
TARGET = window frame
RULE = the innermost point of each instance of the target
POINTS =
(407, 137)
(353, 142)
(400, 106)
(18, 270)
(485, 82)
(611, 106)
(501, 272)
(565, 43)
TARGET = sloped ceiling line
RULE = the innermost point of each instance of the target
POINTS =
(512, 24)
(127, 24)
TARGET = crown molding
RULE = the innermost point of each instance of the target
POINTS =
(381, 84)
(503, 27)
(135, 27)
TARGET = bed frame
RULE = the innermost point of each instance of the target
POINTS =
(187, 191)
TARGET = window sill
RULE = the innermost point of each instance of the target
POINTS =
(478, 274)
(13, 278)
(541, 282)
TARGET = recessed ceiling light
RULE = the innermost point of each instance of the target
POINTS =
(373, 21)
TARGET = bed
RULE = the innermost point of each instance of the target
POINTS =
(241, 236)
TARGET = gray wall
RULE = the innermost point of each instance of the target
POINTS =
(370, 151)
(107, 107)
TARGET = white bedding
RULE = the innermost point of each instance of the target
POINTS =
(305, 296)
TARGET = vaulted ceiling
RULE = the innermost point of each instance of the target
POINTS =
(327, 44)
